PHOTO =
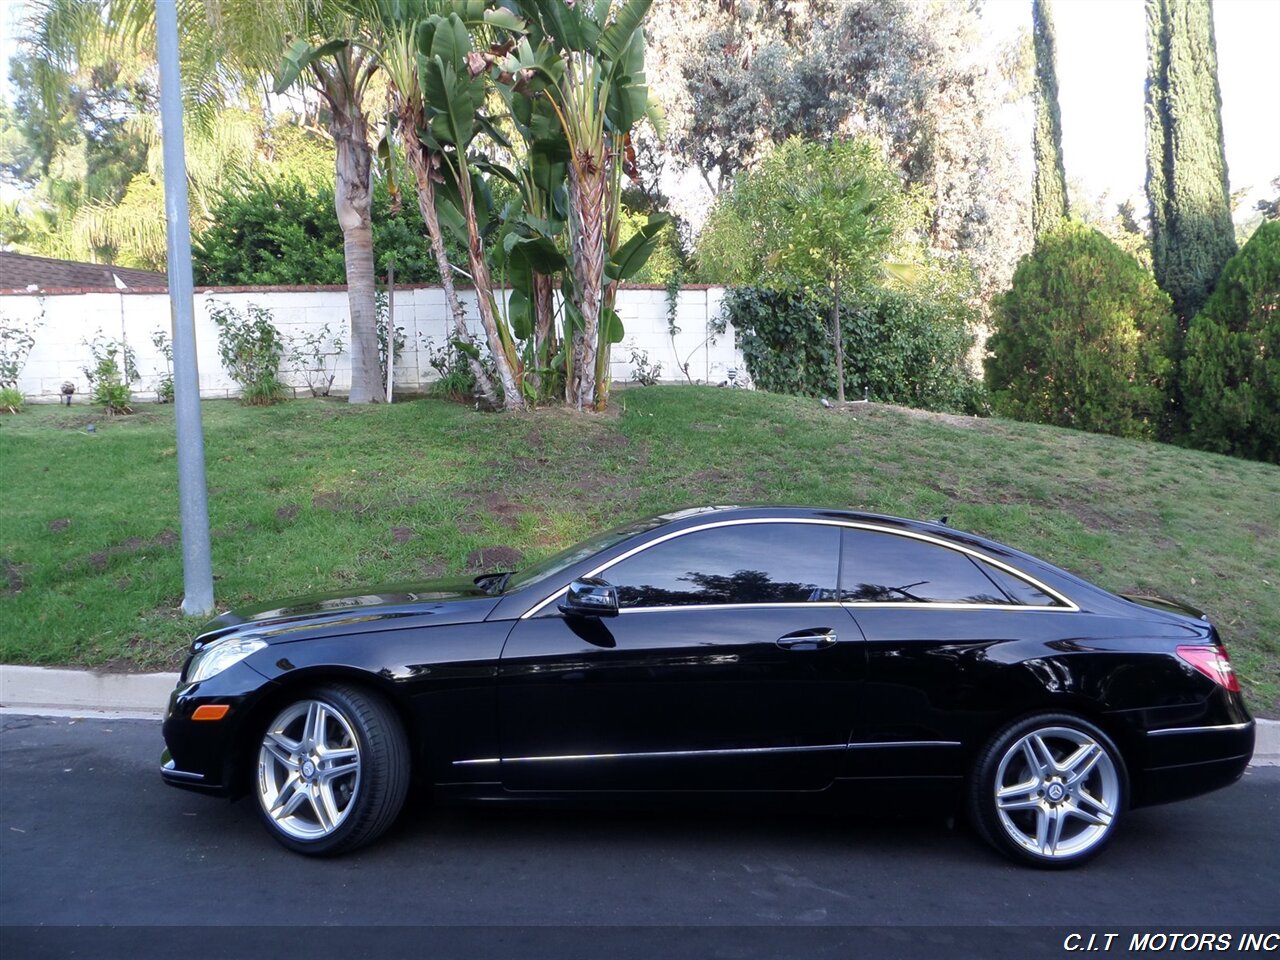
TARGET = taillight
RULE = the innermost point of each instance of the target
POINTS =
(1213, 662)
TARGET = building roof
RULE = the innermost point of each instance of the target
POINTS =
(20, 271)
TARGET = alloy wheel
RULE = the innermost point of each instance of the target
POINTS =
(308, 770)
(1057, 792)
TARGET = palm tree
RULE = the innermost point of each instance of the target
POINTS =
(397, 52)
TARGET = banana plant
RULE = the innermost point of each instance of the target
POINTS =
(453, 76)
(395, 23)
(591, 59)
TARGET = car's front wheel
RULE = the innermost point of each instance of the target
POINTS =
(1048, 790)
(333, 770)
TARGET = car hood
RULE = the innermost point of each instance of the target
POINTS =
(434, 602)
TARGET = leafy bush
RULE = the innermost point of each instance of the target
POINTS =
(1083, 339)
(250, 348)
(286, 232)
(1231, 367)
(11, 400)
(114, 365)
(898, 346)
(314, 355)
(164, 386)
(16, 341)
(454, 377)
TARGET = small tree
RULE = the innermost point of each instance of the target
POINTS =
(250, 348)
(1231, 372)
(1083, 339)
(811, 218)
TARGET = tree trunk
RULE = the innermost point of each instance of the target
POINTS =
(420, 162)
(544, 333)
(501, 347)
(835, 328)
(587, 178)
(353, 201)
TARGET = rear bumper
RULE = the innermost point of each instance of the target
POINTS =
(1183, 762)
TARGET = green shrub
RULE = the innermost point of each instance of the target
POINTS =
(1231, 366)
(114, 365)
(1083, 339)
(11, 400)
(898, 346)
(286, 232)
(164, 386)
(250, 348)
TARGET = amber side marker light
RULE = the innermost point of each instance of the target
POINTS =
(211, 711)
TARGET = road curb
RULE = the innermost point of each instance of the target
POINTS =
(50, 691)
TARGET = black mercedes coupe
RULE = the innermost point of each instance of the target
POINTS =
(722, 652)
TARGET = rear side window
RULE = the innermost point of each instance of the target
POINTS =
(886, 568)
(739, 563)
(1018, 590)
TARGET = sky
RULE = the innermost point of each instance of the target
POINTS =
(1101, 72)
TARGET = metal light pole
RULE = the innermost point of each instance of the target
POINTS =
(193, 498)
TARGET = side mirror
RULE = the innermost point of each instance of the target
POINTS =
(590, 597)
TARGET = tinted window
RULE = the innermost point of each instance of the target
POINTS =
(745, 563)
(884, 568)
(1018, 589)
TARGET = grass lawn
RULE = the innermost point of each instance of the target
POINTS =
(316, 496)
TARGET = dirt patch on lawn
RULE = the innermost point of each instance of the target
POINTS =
(288, 512)
(873, 409)
(57, 526)
(494, 558)
(102, 559)
(10, 577)
(402, 534)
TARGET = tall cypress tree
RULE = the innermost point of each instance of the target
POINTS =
(1049, 201)
(1192, 237)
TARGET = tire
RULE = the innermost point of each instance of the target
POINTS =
(1048, 790)
(332, 770)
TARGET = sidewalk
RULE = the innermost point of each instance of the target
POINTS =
(44, 691)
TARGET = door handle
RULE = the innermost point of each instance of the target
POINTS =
(807, 640)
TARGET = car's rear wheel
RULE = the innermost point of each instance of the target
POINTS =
(1048, 790)
(333, 770)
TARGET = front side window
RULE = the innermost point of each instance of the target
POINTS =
(887, 568)
(740, 563)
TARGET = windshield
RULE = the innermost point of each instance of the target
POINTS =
(566, 558)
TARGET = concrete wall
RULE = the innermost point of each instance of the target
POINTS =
(68, 319)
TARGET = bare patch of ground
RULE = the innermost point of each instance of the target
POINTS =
(100, 560)
(494, 558)
(12, 575)
(951, 419)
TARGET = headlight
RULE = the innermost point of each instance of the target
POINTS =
(219, 655)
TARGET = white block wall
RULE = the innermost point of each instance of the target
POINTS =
(70, 319)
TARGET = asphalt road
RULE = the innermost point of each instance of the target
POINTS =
(90, 836)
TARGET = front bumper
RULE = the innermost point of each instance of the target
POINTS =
(203, 755)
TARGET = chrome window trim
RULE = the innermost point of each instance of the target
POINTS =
(1068, 605)
(1212, 728)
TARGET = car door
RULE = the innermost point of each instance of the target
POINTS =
(940, 623)
(730, 665)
